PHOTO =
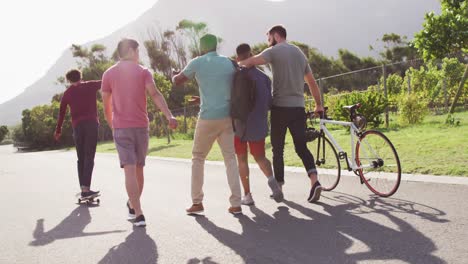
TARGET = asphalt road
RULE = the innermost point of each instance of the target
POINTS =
(41, 222)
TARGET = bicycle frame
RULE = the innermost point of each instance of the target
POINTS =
(354, 132)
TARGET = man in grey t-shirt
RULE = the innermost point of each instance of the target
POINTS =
(290, 68)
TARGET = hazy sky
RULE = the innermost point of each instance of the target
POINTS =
(35, 33)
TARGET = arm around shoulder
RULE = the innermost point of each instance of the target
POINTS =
(254, 61)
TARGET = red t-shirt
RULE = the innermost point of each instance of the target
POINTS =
(127, 81)
(81, 97)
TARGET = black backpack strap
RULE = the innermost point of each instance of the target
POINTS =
(233, 125)
(236, 66)
(234, 63)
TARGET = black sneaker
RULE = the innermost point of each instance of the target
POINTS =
(278, 197)
(131, 212)
(89, 194)
(140, 221)
(315, 193)
(276, 189)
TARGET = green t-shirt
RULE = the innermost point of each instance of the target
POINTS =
(289, 65)
(214, 75)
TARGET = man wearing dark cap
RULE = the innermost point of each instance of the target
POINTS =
(214, 74)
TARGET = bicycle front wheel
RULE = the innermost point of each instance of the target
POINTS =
(327, 162)
(378, 163)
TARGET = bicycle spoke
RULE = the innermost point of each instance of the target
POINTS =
(327, 162)
(378, 163)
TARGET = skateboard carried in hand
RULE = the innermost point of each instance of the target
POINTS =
(88, 199)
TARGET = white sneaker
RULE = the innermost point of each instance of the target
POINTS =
(247, 200)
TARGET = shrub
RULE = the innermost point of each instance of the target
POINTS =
(3, 133)
(373, 106)
(412, 108)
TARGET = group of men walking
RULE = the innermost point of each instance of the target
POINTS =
(124, 89)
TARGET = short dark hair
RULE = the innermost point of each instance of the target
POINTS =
(73, 75)
(279, 29)
(125, 45)
(242, 49)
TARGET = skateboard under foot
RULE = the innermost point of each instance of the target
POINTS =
(89, 199)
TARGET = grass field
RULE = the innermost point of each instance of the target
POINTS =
(429, 148)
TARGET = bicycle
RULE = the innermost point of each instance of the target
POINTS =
(373, 157)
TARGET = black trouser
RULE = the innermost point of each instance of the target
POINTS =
(293, 118)
(85, 135)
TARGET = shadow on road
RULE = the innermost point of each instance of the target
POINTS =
(206, 260)
(138, 247)
(162, 147)
(70, 227)
(297, 234)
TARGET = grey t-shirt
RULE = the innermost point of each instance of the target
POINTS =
(289, 65)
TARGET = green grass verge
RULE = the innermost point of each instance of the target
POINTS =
(429, 148)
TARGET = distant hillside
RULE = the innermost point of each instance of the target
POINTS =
(325, 24)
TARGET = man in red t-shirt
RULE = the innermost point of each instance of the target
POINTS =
(124, 89)
(81, 97)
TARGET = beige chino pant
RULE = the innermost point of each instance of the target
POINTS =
(206, 132)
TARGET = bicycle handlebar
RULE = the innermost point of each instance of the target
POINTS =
(323, 114)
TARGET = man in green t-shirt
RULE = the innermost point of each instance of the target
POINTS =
(214, 74)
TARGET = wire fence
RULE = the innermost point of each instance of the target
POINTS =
(402, 78)
(387, 80)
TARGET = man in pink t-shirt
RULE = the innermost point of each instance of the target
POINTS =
(124, 89)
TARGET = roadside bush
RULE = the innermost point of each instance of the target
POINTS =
(373, 106)
(17, 134)
(412, 108)
(3, 132)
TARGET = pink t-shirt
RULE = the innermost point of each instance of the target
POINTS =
(126, 82)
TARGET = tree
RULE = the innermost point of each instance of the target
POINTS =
(177, 48)
(38, 125)
(324, 66)
(193, 31)
(258, 48)
(158, 53)
(353, 62)
(397, 48)
(3, 133)
(93, 62)
(445, 34)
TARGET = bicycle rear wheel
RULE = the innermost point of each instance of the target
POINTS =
(378, 162)
(327, 162)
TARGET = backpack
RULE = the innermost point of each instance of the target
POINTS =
(242, 94)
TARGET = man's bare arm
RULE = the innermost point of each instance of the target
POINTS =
(253, 61)
(160, 102)
(179, 79)
(107, 101)
(314, 90)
